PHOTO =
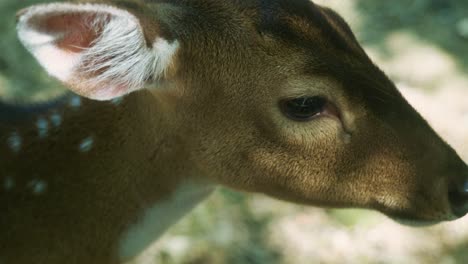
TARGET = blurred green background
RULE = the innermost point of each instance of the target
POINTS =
(421, 44)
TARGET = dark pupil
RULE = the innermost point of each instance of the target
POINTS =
(303, 108)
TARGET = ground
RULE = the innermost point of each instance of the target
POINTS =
(423, 46)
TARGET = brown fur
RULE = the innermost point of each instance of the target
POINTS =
(217, 117)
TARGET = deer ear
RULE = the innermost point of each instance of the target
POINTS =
(97, 50)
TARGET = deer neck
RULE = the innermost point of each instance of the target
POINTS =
(171, 187)
(140, 152)
(175, 185)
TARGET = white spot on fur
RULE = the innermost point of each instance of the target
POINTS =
(8, 183)
(118, 61)
(75, 101)
(86, 144)
(15, 142)
(56, 119)
(161, 216)
(42, 127)
(38, 187)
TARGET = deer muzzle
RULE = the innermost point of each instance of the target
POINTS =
(458, 196)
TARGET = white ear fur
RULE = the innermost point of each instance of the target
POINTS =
(116, 62)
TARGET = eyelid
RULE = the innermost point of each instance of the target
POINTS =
(318, 109)
(292, 96)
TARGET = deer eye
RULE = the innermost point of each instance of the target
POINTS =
(303, 108)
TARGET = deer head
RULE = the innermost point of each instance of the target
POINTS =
(275, 97)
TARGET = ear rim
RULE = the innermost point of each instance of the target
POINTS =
(156, 59)
(25, 14)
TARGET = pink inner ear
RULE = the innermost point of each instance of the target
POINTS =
(97, 50)
(78, 30)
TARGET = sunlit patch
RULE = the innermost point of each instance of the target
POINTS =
(15, 142)
(75, 101)
(42, 127)
(38, 187)
(56, 119)
(86, 144)
(8, 183)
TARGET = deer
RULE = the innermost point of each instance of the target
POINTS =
(170, 99)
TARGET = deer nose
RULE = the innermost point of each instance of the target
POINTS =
(458, 198)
